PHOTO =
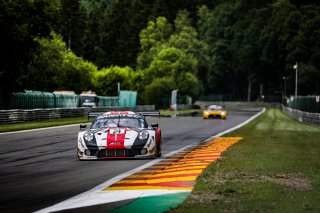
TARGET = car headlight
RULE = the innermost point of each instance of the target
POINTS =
(206, 112)
(143, 135)
(88, 136)
(222, 113)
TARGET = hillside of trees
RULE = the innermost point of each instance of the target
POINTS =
(200, 47)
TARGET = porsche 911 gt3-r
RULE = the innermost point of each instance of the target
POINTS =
(121, 134)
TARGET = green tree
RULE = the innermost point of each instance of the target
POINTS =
(54, 67)
(73, 24)
(305, 49)
(158, 92)
(20, 22)
(246, 51)
(215, 28)
(105, 81)
(123, 20)
(76, 74)
(171, 62)
(186, 39)
(189, 84)
(46, 64)
(92, 41)
(177, 54)
(276, 36)
(152, 38)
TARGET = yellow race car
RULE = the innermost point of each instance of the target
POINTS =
(215, 111)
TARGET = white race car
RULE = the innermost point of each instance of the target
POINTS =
(121, 134)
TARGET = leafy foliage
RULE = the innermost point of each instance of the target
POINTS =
(171, 54)
(106, 80)
(54, 67)
(256, 44)
(242, 48)
(20, 22)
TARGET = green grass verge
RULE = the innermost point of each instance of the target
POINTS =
(275, 168)
(179, 112)
(42, 124)
(77, 120)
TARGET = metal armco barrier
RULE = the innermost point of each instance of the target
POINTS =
(307, 117)
(20, 115)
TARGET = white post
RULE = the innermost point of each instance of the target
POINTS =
(118, 95)
(174, 100)
(296, 87)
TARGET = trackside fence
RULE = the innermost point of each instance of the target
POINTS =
(127, 98)
(108, 101)
(37, 99)
(305, 103)
(307, 117)
(24, 115)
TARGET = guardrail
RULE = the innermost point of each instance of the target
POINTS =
(21, 115)
(307, 117)
(238, 105)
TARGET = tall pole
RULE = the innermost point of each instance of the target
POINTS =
(285, 89)
(296, 88)
(118, 95)
(285, 86)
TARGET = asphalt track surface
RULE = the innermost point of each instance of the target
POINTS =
(39, 168)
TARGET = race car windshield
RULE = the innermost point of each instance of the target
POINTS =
(118, 122)
(215, 108)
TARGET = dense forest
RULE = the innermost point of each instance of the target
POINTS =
(237, 48)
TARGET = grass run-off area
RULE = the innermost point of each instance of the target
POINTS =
(42, 124)
(274, 168)
(78, 120)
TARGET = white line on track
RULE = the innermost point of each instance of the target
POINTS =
(96, 196)
(44, 128)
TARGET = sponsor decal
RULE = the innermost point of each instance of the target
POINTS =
(119, 113)
(80, 141)
(115, 138)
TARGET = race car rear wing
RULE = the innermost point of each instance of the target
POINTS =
(94, 114)
(145, 113)
(149, 113)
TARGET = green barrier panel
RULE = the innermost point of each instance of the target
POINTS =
(66, 100)
(127, 98)
(108, 101)
(37, 99)
(305, 103)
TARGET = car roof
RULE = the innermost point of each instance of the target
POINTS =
(215, 106)
(121, 114)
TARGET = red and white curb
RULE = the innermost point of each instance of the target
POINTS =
(130, 185)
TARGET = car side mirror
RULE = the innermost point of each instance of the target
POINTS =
(155, 125)
(83, 127)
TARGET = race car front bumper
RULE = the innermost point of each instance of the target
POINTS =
(94, 154)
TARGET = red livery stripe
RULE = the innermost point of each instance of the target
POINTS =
(115, 138)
